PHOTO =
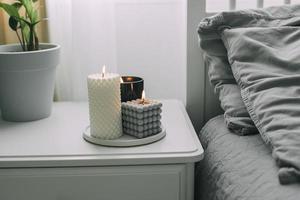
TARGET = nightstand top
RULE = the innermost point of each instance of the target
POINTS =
(57, 141)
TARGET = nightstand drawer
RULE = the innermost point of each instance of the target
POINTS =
(94, 183)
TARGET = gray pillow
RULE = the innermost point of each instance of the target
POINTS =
(236, 116)
(266, 65)
(215, 55)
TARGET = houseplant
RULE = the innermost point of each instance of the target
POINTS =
(27, 69)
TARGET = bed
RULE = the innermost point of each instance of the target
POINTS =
(252, 150)
(237, 167)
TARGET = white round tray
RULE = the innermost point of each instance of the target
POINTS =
(124, 140)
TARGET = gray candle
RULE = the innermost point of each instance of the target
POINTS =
(141, 118)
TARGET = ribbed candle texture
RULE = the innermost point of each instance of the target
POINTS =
(105, 106)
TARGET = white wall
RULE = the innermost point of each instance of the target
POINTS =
(151, 43)
(145, 38)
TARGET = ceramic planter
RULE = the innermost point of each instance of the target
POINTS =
(27, 82)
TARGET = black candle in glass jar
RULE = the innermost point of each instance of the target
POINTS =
(131, 88)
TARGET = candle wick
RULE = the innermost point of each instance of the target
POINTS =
(102, 75)
(144, 101)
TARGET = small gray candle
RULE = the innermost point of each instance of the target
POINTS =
(141, 117)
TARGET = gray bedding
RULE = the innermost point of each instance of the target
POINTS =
(215, 55)
(238, 167)
(263, 51)
(265, 63)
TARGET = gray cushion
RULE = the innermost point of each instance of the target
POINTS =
(236, 116)
(215, 55)
(266, 65)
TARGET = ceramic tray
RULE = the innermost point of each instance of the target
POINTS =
(123, 141)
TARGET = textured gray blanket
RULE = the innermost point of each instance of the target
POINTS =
(238, 168)
(264, 54)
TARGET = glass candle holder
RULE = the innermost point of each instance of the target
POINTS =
(131, 88)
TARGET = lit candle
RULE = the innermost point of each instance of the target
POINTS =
(141, 117)
(105, 105)
(131, 88)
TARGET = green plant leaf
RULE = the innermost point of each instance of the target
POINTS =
(10, 10)
(28, 4)
(35, 23)
(13, 23)
(25, 21)
(26, 32)
(18, 5)
(34, 16)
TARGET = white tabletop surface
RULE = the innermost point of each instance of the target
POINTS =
(57, 141)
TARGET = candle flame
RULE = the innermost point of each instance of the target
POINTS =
(143, 99)
(143, 96)
(129, 78)
(103, 71)
(121, 80)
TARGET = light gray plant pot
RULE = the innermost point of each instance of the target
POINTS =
(27, 82)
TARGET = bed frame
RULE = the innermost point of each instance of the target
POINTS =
(202, 104)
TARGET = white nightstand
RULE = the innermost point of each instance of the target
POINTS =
(48, 159)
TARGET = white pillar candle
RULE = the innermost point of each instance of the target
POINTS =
(105, 105)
